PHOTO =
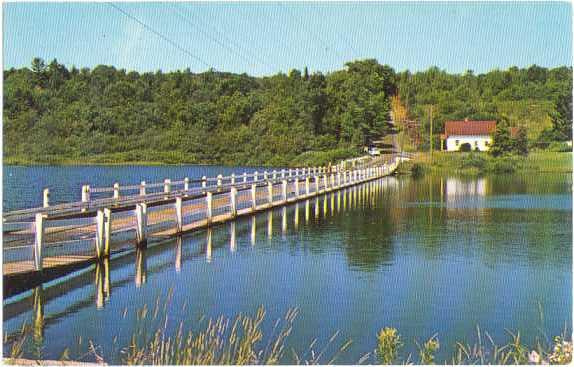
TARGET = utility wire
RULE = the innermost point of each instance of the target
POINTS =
(165, 38)
(222, 35)
(317, 38)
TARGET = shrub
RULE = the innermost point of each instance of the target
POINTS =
(559, 146)
(466, 147)
(389, 343)
(502, 166)
(418, 170)
(473, 161)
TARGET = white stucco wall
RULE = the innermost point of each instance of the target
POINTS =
(474, 140)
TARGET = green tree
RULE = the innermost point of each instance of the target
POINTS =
(520, 144)
(501, 141)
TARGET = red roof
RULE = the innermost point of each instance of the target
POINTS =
(469, 127)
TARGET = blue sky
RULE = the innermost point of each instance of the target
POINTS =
(266, 37)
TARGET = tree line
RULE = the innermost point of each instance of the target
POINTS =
(53, 113)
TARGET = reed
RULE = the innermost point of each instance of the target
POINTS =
(242, 341)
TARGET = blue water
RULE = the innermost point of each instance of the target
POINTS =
(434, 255)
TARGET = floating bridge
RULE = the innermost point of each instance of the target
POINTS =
(40, 244)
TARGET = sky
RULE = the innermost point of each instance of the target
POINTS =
(263, 38)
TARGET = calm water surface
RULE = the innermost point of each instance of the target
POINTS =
(434, 255)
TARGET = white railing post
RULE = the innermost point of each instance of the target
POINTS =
(254, 197)
(270, 192)
(307, 188)
(141, 219)
(100, 232)
(233, 178)
(245, 178)
(290, 172)
(265, 175)
(186, 185)
(284, 190)
(255, 178)
(179, 214)
(39, 241)
(116, 190)
(283, 173)
(107, 231)
(203, 182)
(274, 175)
(46, 198)
(219, 182)
(209, 211)
(233, 201)
(142, 188)
(166, 186)
(296, 183)
(85, 193)
(316, 184)
(325, 182)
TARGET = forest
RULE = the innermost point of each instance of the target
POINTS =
(54, 114)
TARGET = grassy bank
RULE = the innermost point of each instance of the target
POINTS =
(474, 163)
(151, 157)
(240, 341)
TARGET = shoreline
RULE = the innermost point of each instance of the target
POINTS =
(478, 164)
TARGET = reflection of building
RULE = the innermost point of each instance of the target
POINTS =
(456, 187)
(477, 134)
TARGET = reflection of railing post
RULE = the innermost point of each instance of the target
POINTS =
(233, 201)
(39, 242)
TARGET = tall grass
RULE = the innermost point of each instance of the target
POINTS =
(242, 341)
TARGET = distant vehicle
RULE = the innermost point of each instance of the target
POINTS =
(374, 151)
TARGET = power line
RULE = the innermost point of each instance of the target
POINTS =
(165, 38)
(214, 39)
(319, 39)
(235, 44)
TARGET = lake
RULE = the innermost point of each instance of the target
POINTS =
(429, 255)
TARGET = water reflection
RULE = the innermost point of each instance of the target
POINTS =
(232, 241)
(141, 267)
(392, 236)
(178, 253)
(102, 283)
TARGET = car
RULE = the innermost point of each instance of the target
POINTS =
(374, 151)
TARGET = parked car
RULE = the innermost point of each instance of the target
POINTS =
(374, 151)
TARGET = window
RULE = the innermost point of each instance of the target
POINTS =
(456, 142)
(487, 143)
(476, 143)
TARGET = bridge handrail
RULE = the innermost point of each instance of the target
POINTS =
(29, 213)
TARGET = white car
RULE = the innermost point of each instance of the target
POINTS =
(374, 151)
